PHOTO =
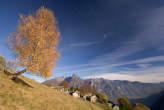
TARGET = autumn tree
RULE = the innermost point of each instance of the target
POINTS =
(64, 84)
(35, 43)
(86, 89)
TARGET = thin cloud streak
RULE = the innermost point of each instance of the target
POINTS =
(150, 36)
(142, 63)
(85, 43)
(152, 78)
(152, 75)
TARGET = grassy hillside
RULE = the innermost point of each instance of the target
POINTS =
(16, 96)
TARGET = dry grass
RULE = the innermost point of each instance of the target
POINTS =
(14, 96)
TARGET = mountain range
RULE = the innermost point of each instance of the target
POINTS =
(146, 93)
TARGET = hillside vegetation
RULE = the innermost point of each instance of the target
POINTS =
(17, 96)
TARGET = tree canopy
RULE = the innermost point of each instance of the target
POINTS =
(35, 42)
(64, 84)
(86, 89)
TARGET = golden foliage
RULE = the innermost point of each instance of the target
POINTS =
(35, 42)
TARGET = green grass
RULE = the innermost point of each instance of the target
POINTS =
(16, 96)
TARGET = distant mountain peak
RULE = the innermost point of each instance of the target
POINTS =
(75, 76)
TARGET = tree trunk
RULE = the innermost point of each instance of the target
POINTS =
(14, 76)
(20, 72)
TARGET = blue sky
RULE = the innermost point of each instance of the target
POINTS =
(112, 39)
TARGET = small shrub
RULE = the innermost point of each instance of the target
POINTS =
(124, 104)
(102, 98)
(74, 89)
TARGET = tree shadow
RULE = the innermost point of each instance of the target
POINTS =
(22, 82)
(17, 79)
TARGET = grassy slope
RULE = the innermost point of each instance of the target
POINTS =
(14, 96)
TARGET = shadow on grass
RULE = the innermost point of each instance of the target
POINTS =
(17, 79)
(21, 81)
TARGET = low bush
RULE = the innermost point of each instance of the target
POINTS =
(102, 98)
(124, 104)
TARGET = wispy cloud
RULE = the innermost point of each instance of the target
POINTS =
(85, 43)
(144, 65)
(140, 61)
(151, 78)
(99, 67)
(154, 74)
(149, 36)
